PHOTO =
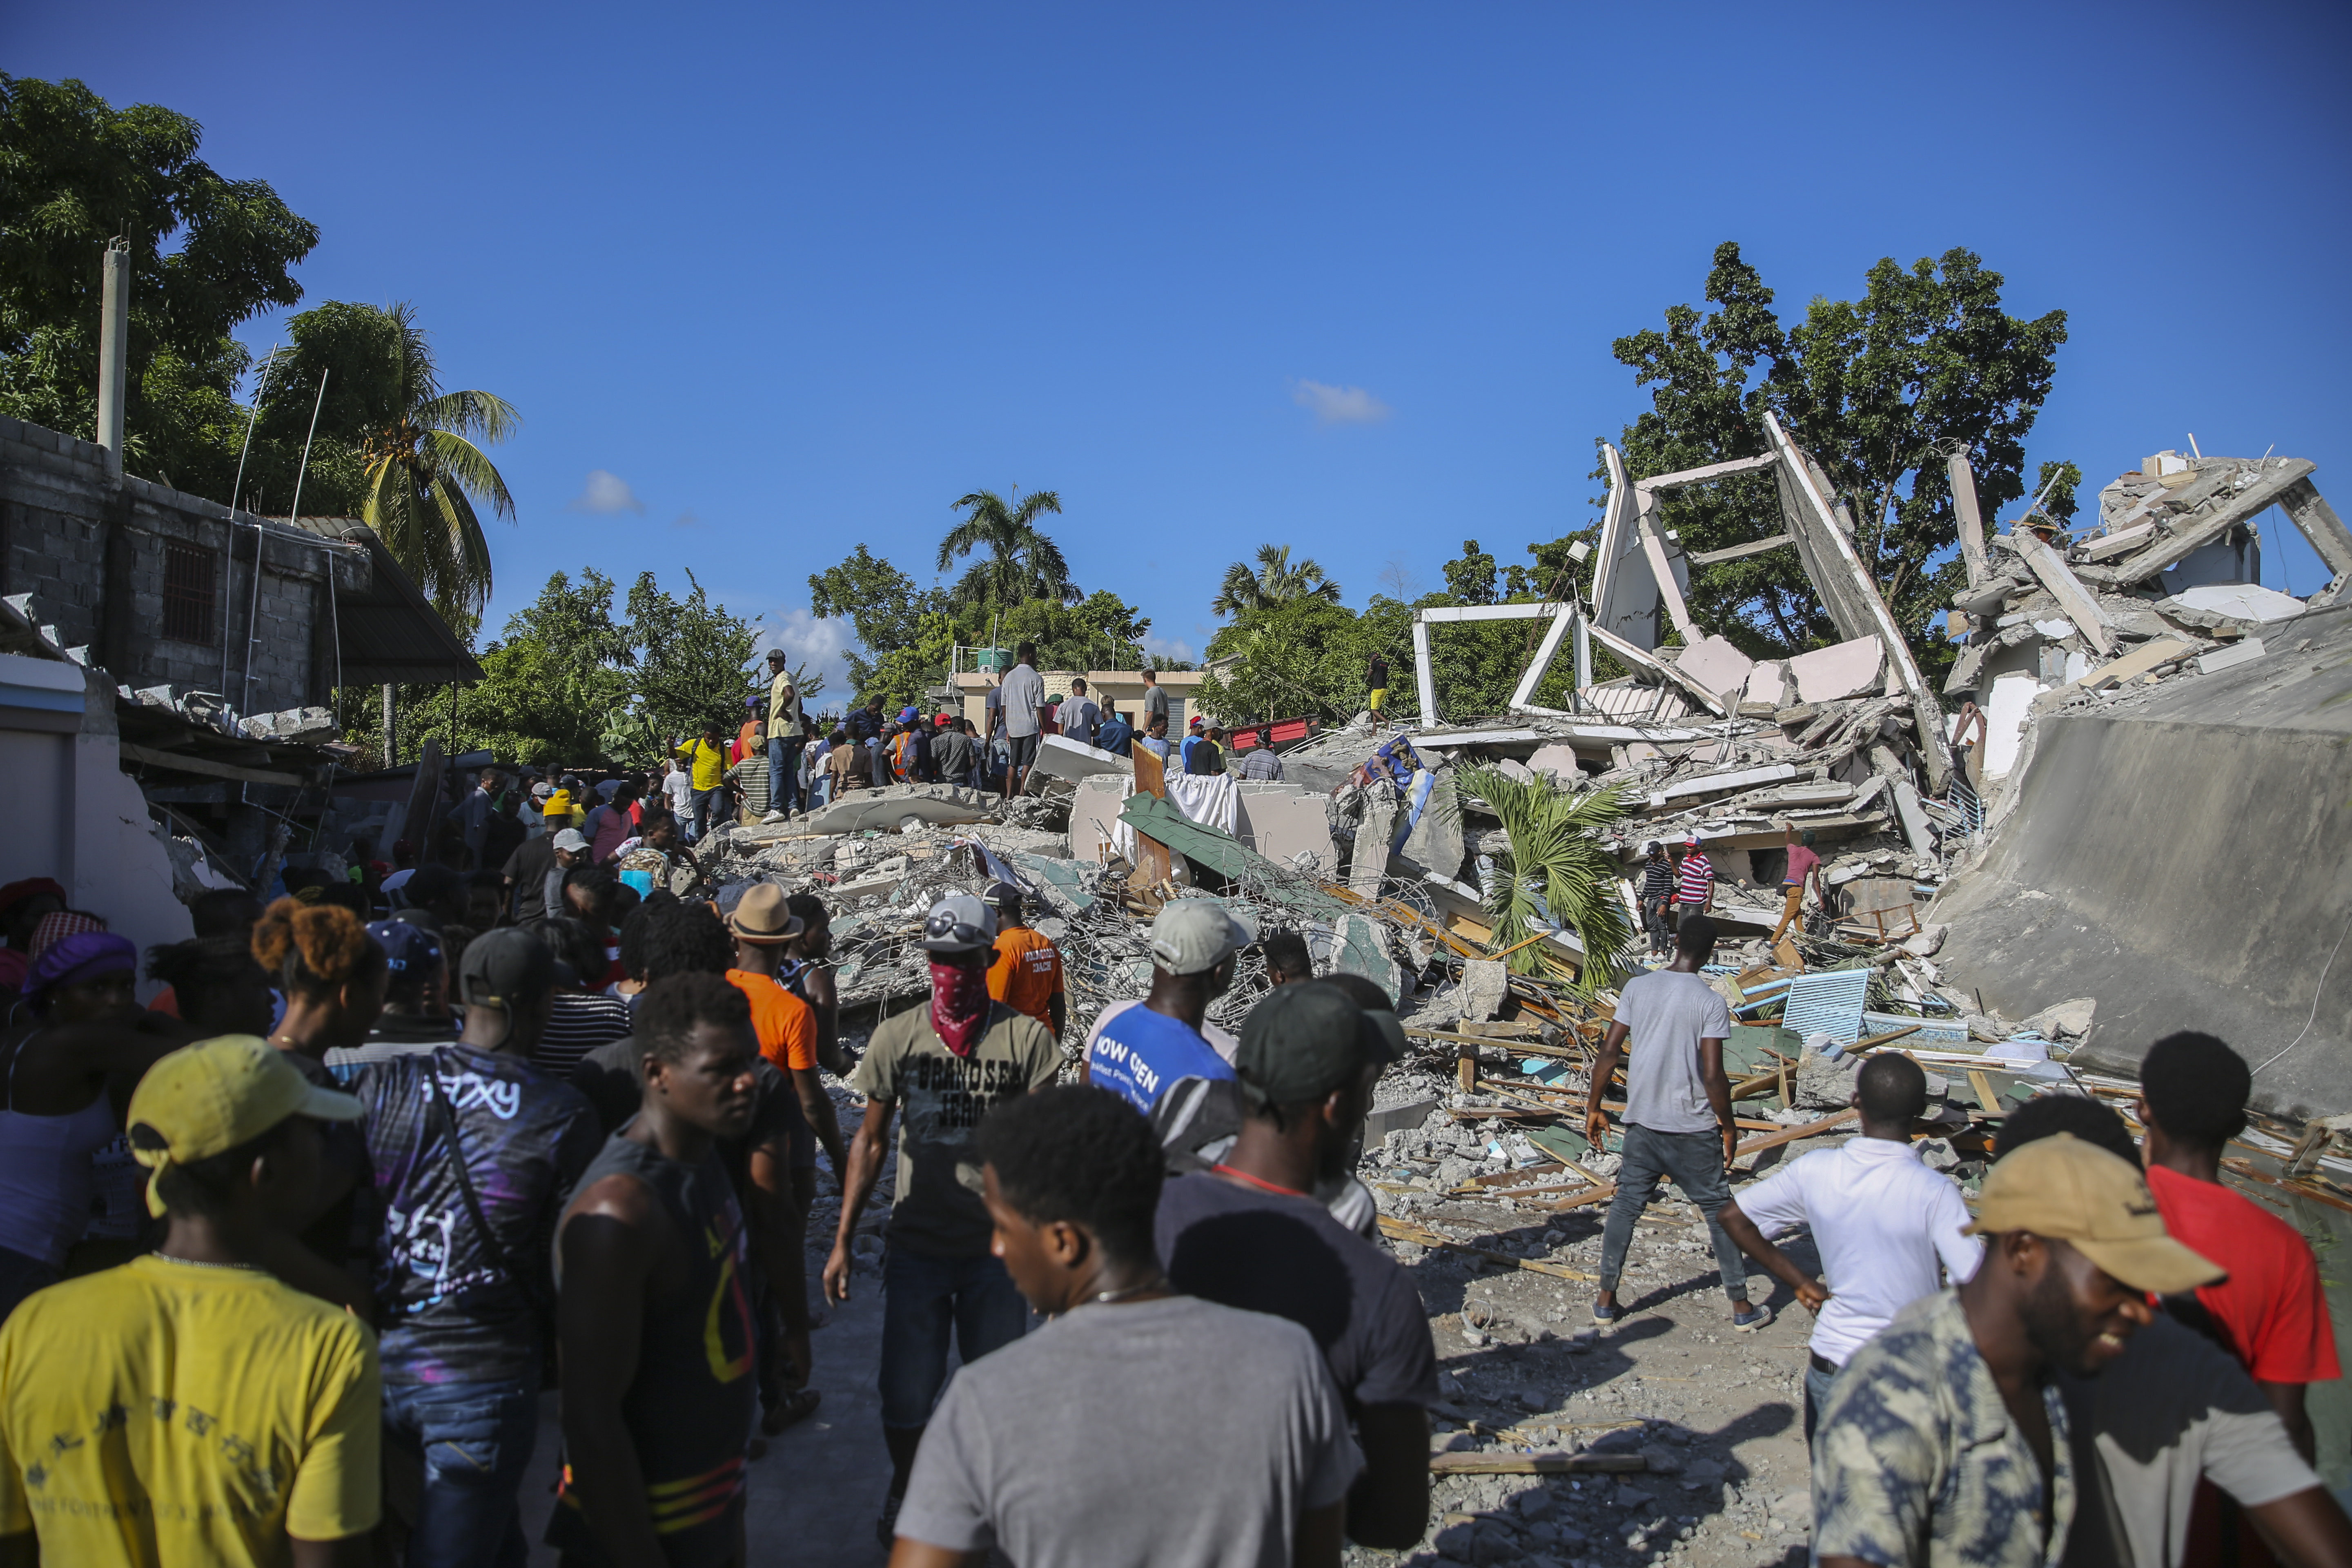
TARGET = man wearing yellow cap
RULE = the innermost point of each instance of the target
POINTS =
(188, 1407)
(1943, 1442)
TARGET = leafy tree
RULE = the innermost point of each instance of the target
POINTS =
(1274, 582)
(1305, 655)
(693, 658)
(1871, 387)
(885, 609)
(1021, 562)
(1471, 580)
(393, 449)
(207, 252)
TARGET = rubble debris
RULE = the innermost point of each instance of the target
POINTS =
(894, 805)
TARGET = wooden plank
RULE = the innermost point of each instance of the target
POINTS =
(2067, 589)
(204, 767)
(1737, 552)
(1420, 1236)
(1985, 1096)
(2300, 1189)
(1537, 1464)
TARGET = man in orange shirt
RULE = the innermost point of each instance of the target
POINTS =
(1026, 974)
(785, 1025)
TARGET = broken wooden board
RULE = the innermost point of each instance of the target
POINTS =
(1553, 1464)
(1422, 1236)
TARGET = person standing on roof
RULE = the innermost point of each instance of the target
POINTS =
(1657, 895)
(1803, 866)
(784, 740)
(1881, 1220)
(1026, 974)
(1678, 1121)
(949, 1064)
(1696, 890)
(1375, 679)
(1155, 700)
(1024, 716)
(1137, 1049)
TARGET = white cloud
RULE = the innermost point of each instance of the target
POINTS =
(606, 493)
(1339, 404)
(1168, 647)
(818, 644)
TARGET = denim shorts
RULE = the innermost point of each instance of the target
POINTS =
(925, 1299)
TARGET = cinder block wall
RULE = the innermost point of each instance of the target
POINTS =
(91, 550)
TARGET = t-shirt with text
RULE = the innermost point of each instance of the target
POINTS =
(1027, 973)
(1668, 1014)
(942, 1098)
(1137, 1054)
(165, 1413)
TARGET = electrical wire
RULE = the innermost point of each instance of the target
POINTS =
(2318, 992)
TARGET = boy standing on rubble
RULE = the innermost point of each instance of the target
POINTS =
(1677, 1107)
(1803, 866)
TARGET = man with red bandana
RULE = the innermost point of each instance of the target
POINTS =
(948, 1065)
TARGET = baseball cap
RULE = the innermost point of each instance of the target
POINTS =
(2069, 1191)
(209, 1098)
(958, 923)
(408, 945)
(572, 839)
(505, 966)
(1302, 1042)
(1193, 936)
(542, 789)
(999, 894)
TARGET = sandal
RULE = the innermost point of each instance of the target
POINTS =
(796, 1409)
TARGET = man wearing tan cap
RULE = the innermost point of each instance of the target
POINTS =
(1944, 1443)
(190, 1406)
(763, 927)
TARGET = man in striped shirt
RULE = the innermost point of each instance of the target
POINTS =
(1696, 892)
(1657, 892)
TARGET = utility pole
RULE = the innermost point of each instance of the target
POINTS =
(114, 352)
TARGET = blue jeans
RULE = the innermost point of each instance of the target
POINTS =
(784, 773)
(922, 1299)
(1695, 1160)
(476, 1440)
(1817, 1396)
(705, 801)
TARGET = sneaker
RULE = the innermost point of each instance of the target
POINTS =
(886, 1529)
(1608, 1316)
(1751, 1320)
(771, 816)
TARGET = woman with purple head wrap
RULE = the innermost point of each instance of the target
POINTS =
(54, 1110)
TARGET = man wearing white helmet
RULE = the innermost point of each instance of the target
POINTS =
(949, 1064)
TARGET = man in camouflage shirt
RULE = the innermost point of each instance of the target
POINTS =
(1944, 1443)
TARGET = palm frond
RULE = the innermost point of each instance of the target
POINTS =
(1556, 864)
(445, 453)
(1034, 506)
(478, 414)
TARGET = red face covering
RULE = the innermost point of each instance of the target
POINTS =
(958, 1004)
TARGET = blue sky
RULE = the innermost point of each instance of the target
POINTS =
(1339, 276)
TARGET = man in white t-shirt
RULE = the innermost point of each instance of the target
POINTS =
(1882, 1222)
(1677, 1105)
(678, 786)
(1023, 696)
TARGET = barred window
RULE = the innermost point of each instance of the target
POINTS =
(188, 593)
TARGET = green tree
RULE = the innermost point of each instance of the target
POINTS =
(885, 609)
(693, 659)
(404, 455)
(1274, 581)
(1871, 387)
(207, 253)
(1021, 562)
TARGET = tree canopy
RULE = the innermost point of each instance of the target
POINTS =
(1877, 389)
(1274, 581)
(207, 253)
(1020, 562)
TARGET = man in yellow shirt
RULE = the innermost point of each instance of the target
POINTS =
(706, 759)
(187, 1406)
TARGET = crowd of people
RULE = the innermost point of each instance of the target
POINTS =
(290, 1255)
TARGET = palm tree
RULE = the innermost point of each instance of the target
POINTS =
(426, 473)
(1558, 868)
(1275, 582)
(1021, 565)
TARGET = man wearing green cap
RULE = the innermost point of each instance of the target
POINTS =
(189, 1406)
(1249, 1233)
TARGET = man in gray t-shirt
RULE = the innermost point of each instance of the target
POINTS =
(1138, 1426)
(1022, 694)
(1155, 702)
(1677, 1107)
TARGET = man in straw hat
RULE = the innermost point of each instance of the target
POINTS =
(1945, 1440)
(762, 926)
(189, 1406)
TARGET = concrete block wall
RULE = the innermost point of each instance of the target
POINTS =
(67, 532)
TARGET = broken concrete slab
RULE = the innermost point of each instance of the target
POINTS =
(1723, 784)
(1485, 988)
(1558, 759)
(2077, 600)
(1288, 825)
(1716, 665)
(1855, 669)
(1059, 757)
(1094, 815)
(2139, 661)
(2262, 484)
(1908, 811)
(1370, 862)
(2241, 652)
(2236, 600)
(931, 804)
(1360, 946)
(1769, 682)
